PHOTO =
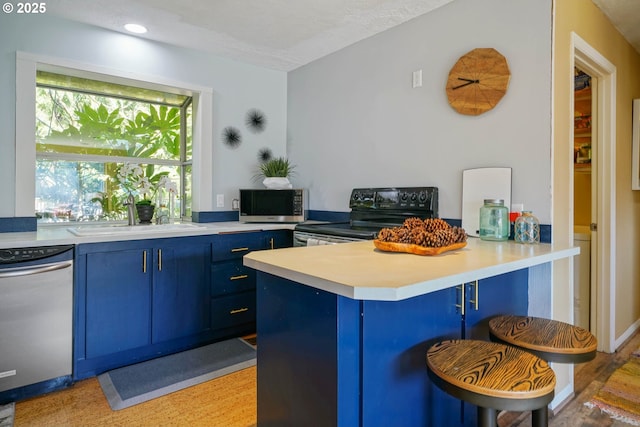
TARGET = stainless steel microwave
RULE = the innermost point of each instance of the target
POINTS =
(273, 205)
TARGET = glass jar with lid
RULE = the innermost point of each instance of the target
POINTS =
(526, 229)
(494, 220)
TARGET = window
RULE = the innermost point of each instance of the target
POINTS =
(86, 130)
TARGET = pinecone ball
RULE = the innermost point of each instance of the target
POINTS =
(412, 223)
(433, 224)
(431, 232)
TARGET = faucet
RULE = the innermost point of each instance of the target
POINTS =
(131, 213)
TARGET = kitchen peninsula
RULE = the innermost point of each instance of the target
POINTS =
(343, 329)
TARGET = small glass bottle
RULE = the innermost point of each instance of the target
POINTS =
(526, 228)
(494, 220)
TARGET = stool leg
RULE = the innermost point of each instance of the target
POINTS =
(487, 417)
(540, 417)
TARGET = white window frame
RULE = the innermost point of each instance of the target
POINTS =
(26, 67)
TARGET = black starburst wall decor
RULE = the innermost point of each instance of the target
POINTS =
(231, 137)
(264, 155)
(256, 121)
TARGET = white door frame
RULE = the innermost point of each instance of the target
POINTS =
(593, 63)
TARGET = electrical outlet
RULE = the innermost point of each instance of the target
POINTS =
(220, 200)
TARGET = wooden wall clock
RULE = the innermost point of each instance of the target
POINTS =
(478, 81)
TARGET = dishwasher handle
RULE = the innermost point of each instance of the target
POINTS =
(28, 271)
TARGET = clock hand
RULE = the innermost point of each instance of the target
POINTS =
(469, 82)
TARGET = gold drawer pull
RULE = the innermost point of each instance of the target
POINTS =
(144, 261)
(239, 249)
(241, 276)
(476, 300)
(462, 298)
(239, 310)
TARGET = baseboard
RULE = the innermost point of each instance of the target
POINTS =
(631, 330)
(562, 399)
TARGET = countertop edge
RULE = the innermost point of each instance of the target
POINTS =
(59, 235)
(410, 289)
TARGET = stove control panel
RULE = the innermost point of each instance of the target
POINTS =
(395, 198)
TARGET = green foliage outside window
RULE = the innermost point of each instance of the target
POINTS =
(83, 139)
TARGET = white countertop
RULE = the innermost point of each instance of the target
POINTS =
(49, 235)
(360, 271)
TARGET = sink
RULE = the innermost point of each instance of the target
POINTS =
(115, 229)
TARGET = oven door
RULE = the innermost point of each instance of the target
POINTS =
(301, 238)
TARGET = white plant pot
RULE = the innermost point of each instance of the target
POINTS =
(277, 183)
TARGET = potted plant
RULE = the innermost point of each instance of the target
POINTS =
(133, 180)
(276, 173)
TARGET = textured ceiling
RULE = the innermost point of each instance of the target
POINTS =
(625, 16)
(278, 34)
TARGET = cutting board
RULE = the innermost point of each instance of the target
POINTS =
(479, 184)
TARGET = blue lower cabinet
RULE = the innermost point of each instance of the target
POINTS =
(181, 300)
(139, 299)
(329, 360)
(308, 356)
(233, 304)
(229, 277)
(396, 337)
(503, 294)
(234, 310)
(118, 302)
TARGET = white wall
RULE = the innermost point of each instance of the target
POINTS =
(355, 120)
(236, 88)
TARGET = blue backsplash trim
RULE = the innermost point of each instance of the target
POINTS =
(545, 233)
(329, 216)
(18, 224)
(217, 216)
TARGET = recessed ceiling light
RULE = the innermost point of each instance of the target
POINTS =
(135, 28)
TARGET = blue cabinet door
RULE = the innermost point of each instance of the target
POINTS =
(396, 335)
(180, 290)
(233, 306)
(334, 361)
(503, 294)
(118, 301)
(278, 239)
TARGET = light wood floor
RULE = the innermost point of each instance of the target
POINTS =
(230, 401)
(589, 378)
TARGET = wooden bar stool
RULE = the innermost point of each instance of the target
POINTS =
(550, 340)
(493, 377)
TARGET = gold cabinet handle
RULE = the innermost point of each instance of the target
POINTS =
(239, 310)
(475, 301)
(144, 261)
(239, 249)
(159, 259)
(271, 242)
(238, 277)
(462, 298)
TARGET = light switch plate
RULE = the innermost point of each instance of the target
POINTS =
(417, 78)
(220, 200)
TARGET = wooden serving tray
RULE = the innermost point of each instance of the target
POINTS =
(415, 249)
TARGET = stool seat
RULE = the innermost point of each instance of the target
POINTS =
(551, 340)
(493, 377)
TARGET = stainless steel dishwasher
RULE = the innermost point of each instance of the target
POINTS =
(36, 289)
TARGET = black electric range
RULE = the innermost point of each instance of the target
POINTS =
(371, 210)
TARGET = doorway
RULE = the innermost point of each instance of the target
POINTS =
(584, 187)
(603, 186)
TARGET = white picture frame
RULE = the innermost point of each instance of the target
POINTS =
(635, 138)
